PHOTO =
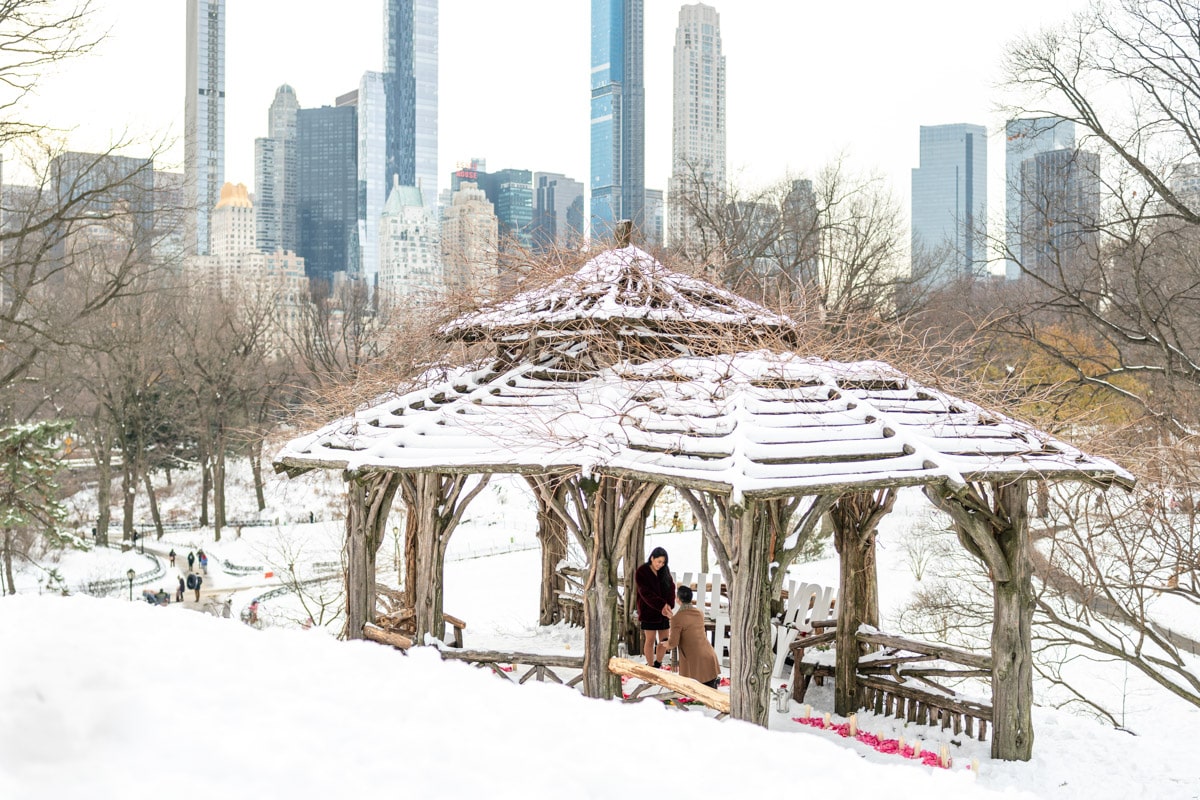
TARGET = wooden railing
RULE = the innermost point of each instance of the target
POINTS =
(888, 680)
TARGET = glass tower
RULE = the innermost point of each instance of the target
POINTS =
(204, 118)
(372, 168)
(410, 58)
(1024, 139)
(618, 116)
(511, 194)
(327, 144)
(275, 175)
(949, 203)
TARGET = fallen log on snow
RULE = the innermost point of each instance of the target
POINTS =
(718, 701)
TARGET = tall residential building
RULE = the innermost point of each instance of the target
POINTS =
(233, 229)
(1024, 139)
(618, 116)
(327, 145)
(410, 253)
(654, 219)
(276, 175)
(410, 68)
(698, 121)
(557, 211)
(204, 117)
(1060, 210)
(511, 194)
(949, 203)
(372, 170)
(470, 238)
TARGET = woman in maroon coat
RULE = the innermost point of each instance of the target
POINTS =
(655, 599)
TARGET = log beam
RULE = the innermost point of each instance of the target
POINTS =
(716, 700)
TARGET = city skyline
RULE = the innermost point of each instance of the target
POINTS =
(786, 110)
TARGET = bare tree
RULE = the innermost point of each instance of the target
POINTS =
(835, 244)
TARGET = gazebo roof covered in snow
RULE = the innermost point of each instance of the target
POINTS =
(626, 287)
(754, 423)
(758, 423)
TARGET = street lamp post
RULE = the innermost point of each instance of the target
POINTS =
(130, 575)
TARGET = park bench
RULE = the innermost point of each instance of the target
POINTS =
(898, 679)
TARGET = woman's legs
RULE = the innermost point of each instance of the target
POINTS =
(650, 647)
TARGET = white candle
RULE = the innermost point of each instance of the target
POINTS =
(917, 748)
(808, 712)
(901, 747)
(853, 724)
(944, 757)
(827, 719)
(975, 765)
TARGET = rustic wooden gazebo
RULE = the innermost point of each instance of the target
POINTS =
(625, 377)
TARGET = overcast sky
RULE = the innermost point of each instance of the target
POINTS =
(806, 80)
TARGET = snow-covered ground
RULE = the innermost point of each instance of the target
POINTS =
(106, 698)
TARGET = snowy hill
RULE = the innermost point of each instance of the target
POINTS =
(108, 699)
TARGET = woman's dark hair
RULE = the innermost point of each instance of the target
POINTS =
(684, 593)
(664, 574)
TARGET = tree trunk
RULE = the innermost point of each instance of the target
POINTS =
(8, 554)
(256, 468)
(219, 489)
(128, 493)
(369, 499)
(205, 485)
(750, 658)
(158, 525)
(1012, 649)
(103, 493)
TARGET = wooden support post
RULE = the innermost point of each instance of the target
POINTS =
(1012, 634)
(856, 517)
(552, 536)
(369, 499)
(436, 503)
(994, 527)
(606, 511)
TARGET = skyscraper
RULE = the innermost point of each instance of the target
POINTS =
(410, 253)
(469, 243)
(103, 185)
(1024, 139)
(372, 170)
(410, 65)
(511, 194)
(327, 144)
(557, 211)
(204, 117)
(618, 116)
(276, 176)
(1060, 210)
(698, 122)
(949, 203)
